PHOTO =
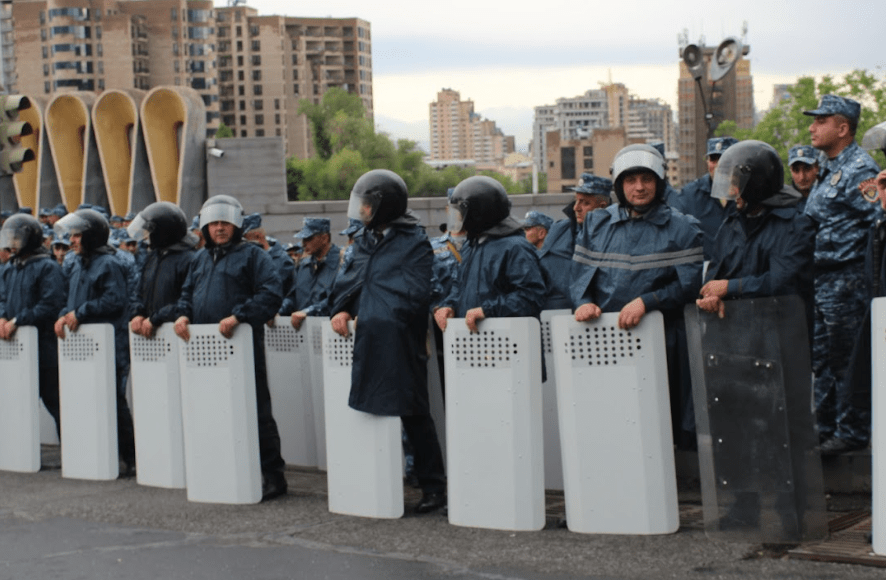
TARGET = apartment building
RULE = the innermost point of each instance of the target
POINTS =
(251, 70)
(457, 132)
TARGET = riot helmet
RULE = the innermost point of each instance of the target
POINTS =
(91, 225)
(378, 198)
(163, 223)
(22, 233)
(477, 204)
(221, 208)
(635, 159)
(751, 170)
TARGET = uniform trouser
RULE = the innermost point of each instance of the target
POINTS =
(428, 457)
(268, 434)
(125, 432)
(841, 298)
(679, 382)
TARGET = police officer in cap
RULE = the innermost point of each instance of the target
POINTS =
(803, 161)
(315, 274)
(536, 226)
(591, 194)
(842, 290)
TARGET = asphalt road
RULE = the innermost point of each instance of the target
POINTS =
(55, 528)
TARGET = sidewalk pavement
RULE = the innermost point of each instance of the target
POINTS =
(163, 535)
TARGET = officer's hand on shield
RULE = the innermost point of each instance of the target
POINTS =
(181, 328)
(586, 312)
(472, 317)
(716, 288)
(881, 187)
(340, 323)
(3, 333)
(298, 318)
(59, 327)
(712, 304)
(135, 325)
(71, 321)
(441, 315)
(147, 328)
(227, 325)
(632, 313)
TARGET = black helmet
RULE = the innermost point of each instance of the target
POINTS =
(477, 204)
(633, 159)
(91, 225)
(378, 198)
(22, 233)
(162, 222)
(751, 170)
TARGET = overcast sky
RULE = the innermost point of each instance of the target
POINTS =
(509, 57)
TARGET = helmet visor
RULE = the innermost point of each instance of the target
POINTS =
(220, 212)
(11, 239)
(455, 220)
(70, 224)
(363, 207)
(730, 179)
(140, 229)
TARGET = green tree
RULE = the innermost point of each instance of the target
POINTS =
(785, 125)
(224, 132)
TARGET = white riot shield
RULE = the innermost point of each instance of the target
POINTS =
(494, 424)
(287, 353)
(365, 467)
(313, 326)
(551, 421)
(615, 426)
(88, 400)
(219, 416)
(19, 396)
(157, 408)
(878, 425)
(759, 464)
(435, 390)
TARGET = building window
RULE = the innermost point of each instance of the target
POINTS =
(278, 132)
(243, 132)
(46, 86)
(242, 119)
(256, 89)
(45, 52)
(276, 104)
(242, 105)
(256, 45)
(256, 75)
(294, 75)
(241, 90)
(240, 60)
(589, 164)
(256, 60)
(567, 163)
(258, 105)
(295, 89)
(98, 49)
(241, 75)
(259, 119)
(173, 13)
(101, 84)
(276, 118)
(294, 59)
(239, 46)
(259, 132)
(239, 31)
(588, 151)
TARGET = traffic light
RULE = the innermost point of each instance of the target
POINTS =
(12, 153)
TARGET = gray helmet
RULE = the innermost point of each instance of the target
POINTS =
(221, 208)
(633, 159)
(21, 232)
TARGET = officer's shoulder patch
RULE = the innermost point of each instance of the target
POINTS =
(835, 179)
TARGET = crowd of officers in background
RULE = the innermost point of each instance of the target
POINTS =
(628, 245)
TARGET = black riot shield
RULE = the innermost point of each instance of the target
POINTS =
(760, 469)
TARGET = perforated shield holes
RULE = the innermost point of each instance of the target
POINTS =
(546, 346)
(208, 351)
(79, 347)
(149, 349)
(340, 351)
(488, 348)
(283, 339)
(317, 340)
(601, 345)
(11, 349)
